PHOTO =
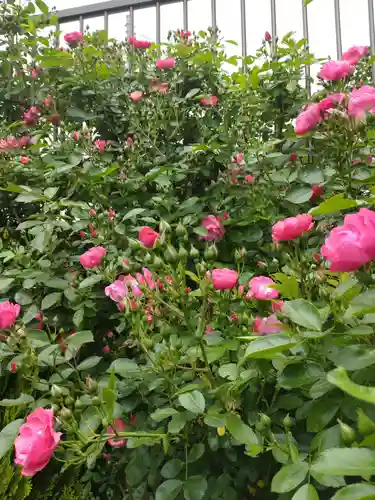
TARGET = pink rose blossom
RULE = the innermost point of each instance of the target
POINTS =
(308, 119)
(118, 426)
(361, 100)
(330, 101)
(354, 54)
(352, 245)
(317, 191)
(249, 179)
(133, 283)
(8, 314)
(147, 236)
(73, 39)
(261, 288)
(214, 228)
(92, 257)
(292, 227)
(224, 279)
(168, 63)
(335, 70)
(209, 101)
(266, 326)
(36, 442)
(136, 96)
(139, 44)
(76, 135)
(117, 291)
(277, 306)
(239, 159)
(31, 116)
(149, 278)
(100, 144)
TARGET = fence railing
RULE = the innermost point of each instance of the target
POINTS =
(105, 8)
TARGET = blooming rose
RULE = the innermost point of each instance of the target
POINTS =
(277, 306)
(354, 54)
(168, 63)
(36, 442)
(292, 227)
(335, 70)
(117, 290)
(265, 326)
(209, 101)
(118, 426)
(129, 279)
(136, 96)
(361, 100)
(308, 119)
(238, 158)
(100, 144)
(147, 236)
(138, 44)
(352, 245)
(73, 38)
(260, 288)
(31, 116)
(92, 257)
(214, 228)
(8, 314)
(329, 101)
(224, 279)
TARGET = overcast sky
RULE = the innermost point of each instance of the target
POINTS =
(354, 21)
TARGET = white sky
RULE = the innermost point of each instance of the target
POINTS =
(354, 21)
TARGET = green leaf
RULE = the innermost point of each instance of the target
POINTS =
(127, 368)
(306, 492)
(307, 2)
(229, 371)
(339, 378)
(168, 490)
(289, 477)
(7, 436)
(334, 204)
(89, 363)
(196, 452)
(58, 283)
(23, 298)
(133, 213)
(163, 413)
(38, 338)
(42, 6)
(299, 195)
(90, 420)
(50, 300)
(79, 338)
(78, 316)
(240, 431)
(23, 399)
(80, 114)
(177, 423)
(320, 414)
(303, 313)
(90, 281)
(192, 93)
(364, 423)
(5, 284)
(345, 462)
(193, 401)
(195, 488)
(171, 468)
(267, 347)
(360, 491)
(109, 399)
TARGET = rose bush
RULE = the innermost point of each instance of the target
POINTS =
(187, 294)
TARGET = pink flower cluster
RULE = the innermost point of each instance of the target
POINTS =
(337, 70)
(10, 143)
(93, 257)
(314, 113)
(138, 44)
(127, 285)
(292, 227)
(350, 246)
(362, 100)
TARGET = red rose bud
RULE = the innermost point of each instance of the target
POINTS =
(24, 160)
(48, 101)
(226, 216)
(111, 213)
(107, 457)
(13, 367)
(76, 135)
(293, 157)
(267, 36)
(317, 191)
(316, 257)
(106, 349)
(82, 234)
(110, 335)
(92, 212)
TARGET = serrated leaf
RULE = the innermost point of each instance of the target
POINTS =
(195, 488)
(163, 413)
(127, 368)
(7, 436)
(303, 313)
(289, 477)
(90, 281)
(299, 195)
(50, 300)
(169, 489)
(88, 363)
(23, 399)
(79, 338)
(345, 462)
(193, 401)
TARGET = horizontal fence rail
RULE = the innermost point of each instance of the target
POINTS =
(105, 8)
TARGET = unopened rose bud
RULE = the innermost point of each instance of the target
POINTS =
(194, 252)
(164, 227)
(92, 212)
(211, 253)
(347, 433)
(181, 230)
(288, 422)
(170, 254)
(182, 253)
(91, 384)
(65, 413)
(56, 391)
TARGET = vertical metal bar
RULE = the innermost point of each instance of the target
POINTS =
(305, 20)
(57, 37)
(131, 22)
(158, 22)
(243, 32)
(338, 29)
(213, 14)
(81, 24)
(371, 20)
(273, 25)
(106, 23)
(185, 10)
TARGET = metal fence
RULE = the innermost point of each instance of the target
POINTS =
(105, 8)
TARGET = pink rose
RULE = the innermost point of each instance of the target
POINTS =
(92, 257)
(75, 135)
(352, 245)
(261, 288)
(139, 44)
(249, 179)
(308, 119)
(8, 314)
(149, 278)
(168, 63)
(160, 87)
(277, 306)
(292, 227)
(131, 281)
(136, 96)
(100, 144)
(224, 279)
(214, 228)
(335, 70)
(147, 236)
(31, 116)
(73, 39)
(36, 442)
(354, 54)
(329, 101)
(361, 100)
(209, 101)
(266, 326)
(239, 159)
(118, 426)
(117, 291)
